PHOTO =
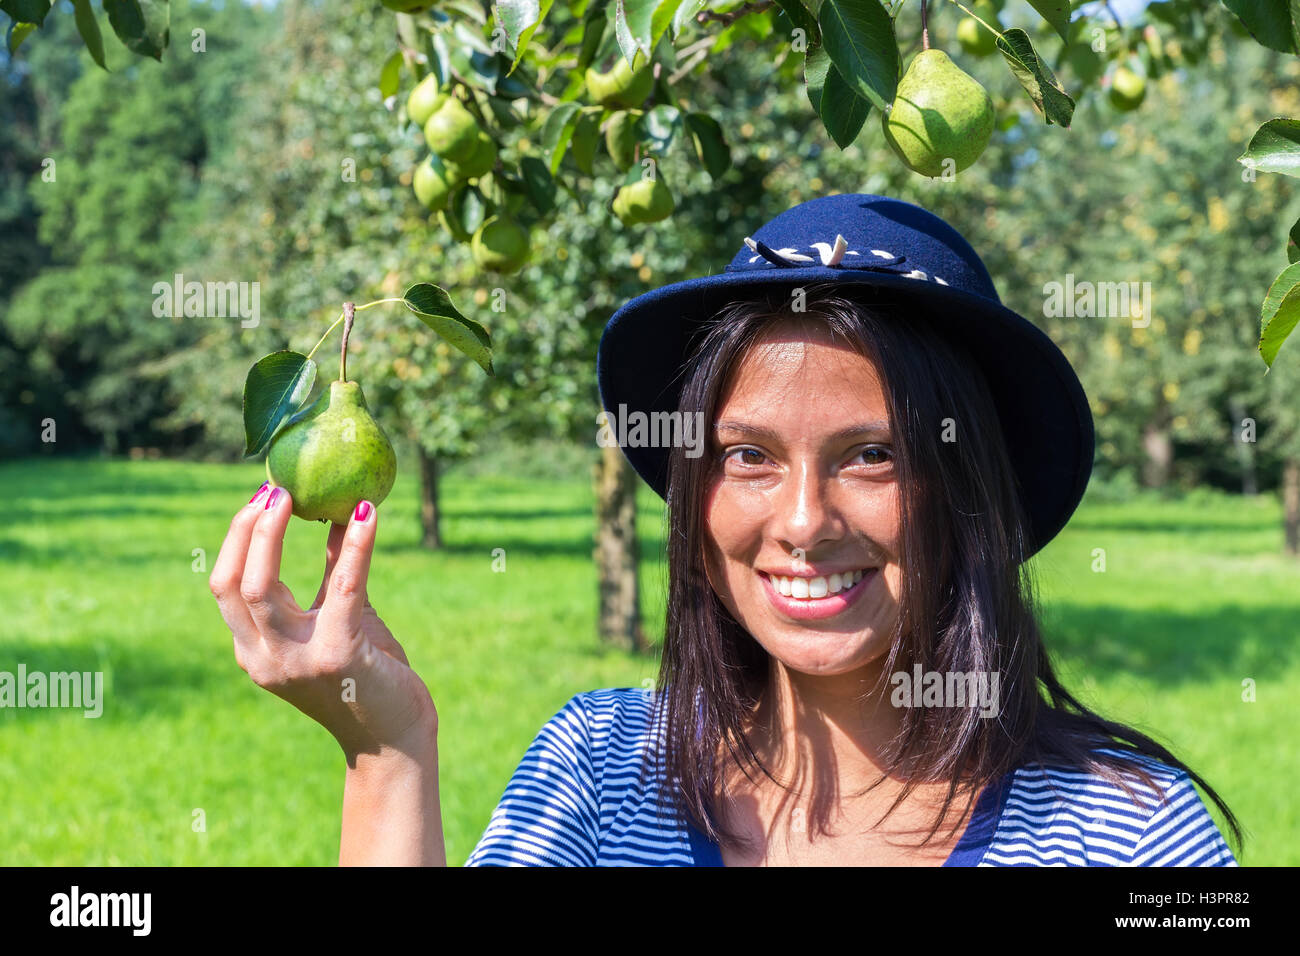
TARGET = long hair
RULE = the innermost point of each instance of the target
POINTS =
(967, 600)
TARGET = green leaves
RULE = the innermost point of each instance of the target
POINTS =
(390, 75)
(1273, 23)
(435, 309)
(1280, 313)
(859, 37)
(26, 11)
(1036, 77)
(520, 20)
(633, 27)
(842, 111)
(558, 131)
(275, 388)
(1056, 13)
(1275, 148)
(710, 146)
(142, 25)
(88, 27)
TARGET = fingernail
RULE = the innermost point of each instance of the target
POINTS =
(362, 512)
(260, 491)
(273, 498)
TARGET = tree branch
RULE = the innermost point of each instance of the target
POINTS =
(726, 19)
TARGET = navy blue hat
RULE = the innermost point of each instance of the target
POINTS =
(858, 240)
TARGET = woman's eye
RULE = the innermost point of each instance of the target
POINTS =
(877, 455)
(746, 456)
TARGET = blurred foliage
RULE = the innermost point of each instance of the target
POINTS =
(272, 158)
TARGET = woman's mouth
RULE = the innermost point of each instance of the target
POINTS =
(817, 597)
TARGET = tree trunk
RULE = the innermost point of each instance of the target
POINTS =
(1291, 503)
(1159, 455)
(429, 512)
(1245, 449)
(619, 615)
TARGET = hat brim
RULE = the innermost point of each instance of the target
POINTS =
(1046, 420)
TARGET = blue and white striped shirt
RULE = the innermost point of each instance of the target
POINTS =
(577, 799)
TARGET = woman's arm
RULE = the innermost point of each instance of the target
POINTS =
(391, 813)
(340, 665)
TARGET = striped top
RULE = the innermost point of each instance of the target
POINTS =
(576, 800)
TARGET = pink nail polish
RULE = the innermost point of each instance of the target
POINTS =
(362, 511)
(274, 498)
(260, 491)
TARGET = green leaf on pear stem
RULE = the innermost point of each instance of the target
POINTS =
(1036, 77)
(435, 309)
(1293, 243)
(1275, 148)
(1280, 312)
(275, 388)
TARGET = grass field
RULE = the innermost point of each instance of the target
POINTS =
(104, 566)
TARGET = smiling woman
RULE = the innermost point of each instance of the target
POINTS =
(852, 668)
(884, 458)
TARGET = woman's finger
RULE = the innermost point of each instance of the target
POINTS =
(345, 592)
(228, 574)
(268, 600)
(333, 547)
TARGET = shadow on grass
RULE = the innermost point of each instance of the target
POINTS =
(1233, 641)
(136, 681)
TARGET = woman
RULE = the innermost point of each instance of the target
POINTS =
(852, 669)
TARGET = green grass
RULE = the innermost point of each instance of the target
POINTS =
(98, 571)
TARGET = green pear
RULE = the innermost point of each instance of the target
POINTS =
(974, 39)
(941, 113)
(332, 455)
(621, 87)
(424, 100)
(646, 200)
(480, 161)
(432, 184)
(1127, 90)
(452, 131)
(621, 137)
(500, 244)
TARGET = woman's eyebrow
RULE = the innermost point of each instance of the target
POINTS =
(759, 431)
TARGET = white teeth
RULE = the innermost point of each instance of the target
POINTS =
(819, 587)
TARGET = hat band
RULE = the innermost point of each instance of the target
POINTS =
(834, 260)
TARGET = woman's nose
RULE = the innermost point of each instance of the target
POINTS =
(803, 514)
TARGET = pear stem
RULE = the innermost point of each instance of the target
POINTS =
(349, 311)
(925, 25)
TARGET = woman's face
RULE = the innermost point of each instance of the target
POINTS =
(803, 512)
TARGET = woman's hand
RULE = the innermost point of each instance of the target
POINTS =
(335, 661)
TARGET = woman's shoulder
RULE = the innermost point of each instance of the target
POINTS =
(1056, 814)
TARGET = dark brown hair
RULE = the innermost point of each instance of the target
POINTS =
(967, 602)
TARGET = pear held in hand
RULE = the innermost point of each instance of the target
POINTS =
(942, 118)
(333, 454)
